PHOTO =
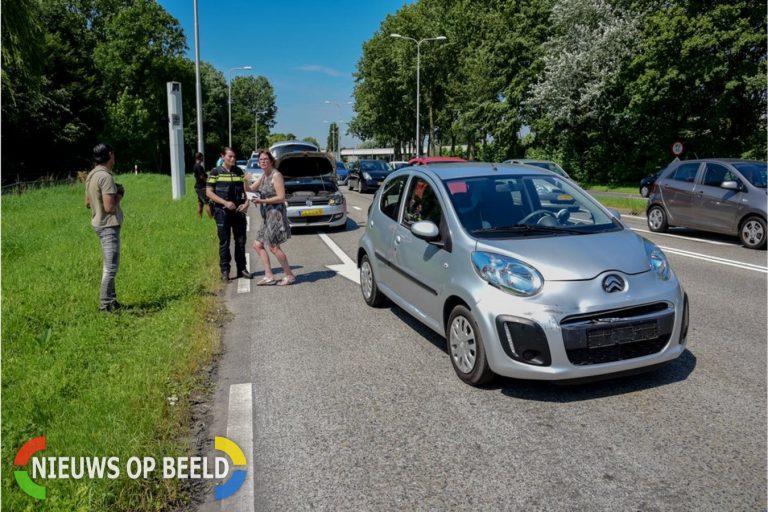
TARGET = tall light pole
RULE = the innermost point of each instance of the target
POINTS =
(198, 87)
(229, 99)
(336, 126)
(338, 147)
(418, 71)
(256, 138)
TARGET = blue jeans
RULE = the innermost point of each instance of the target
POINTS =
(110, 250)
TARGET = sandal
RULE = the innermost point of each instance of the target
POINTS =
(286, 281)
(264, 281)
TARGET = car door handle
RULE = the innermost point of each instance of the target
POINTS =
(398, 239)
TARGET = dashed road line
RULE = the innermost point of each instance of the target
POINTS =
(240, 430)
(348, 268)
(244, 285)
(357, 208)
(715, 259)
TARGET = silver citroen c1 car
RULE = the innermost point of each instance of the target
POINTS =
(519, 285)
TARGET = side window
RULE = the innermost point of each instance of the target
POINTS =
(390, 197)
(422, 204)
(685, 172)
(715, 174)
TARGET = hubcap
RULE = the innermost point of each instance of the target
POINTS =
(656, 218)
(366, 279)
(752, 232)
(463, 345)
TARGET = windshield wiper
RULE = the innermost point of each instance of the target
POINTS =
(527, 228)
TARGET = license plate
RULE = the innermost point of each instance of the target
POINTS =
(619, 335)
(312, 213)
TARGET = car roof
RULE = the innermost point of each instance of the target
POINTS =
(290, 142)
(434, 159)
(458, 170)
(726, 160)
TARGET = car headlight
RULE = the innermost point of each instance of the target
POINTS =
(335, 199)
(367, 176)
(511, 275)
(657, 260)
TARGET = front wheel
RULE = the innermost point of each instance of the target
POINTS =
(752, 233)
(466, 349)
(657, 219)
(371, 293)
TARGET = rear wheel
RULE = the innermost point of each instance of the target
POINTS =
(466, 349)
(657, 219)
(752, 233)
(373, 297)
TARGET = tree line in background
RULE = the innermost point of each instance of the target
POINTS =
(604, 87)
(80, 71)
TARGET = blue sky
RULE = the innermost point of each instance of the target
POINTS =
(307, 50)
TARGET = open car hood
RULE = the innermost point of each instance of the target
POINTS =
(305, 164)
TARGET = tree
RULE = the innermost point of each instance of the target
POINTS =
(251, 95)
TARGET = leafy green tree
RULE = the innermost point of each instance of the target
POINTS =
(251, 95)
(312, 140)
(278, 137)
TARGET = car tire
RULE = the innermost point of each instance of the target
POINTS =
(752, 232)
(657, 219)
(466, 349)
(644, 191)
(371, 293)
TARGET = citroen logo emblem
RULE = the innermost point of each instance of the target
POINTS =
(309, 202)
(613, 283)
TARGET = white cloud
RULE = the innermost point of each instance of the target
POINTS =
(314, 68)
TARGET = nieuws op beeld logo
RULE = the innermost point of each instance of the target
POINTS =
(92, 468)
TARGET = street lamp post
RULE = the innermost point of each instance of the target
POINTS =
(256, 137)
(229, 99)
(198, 88)
(338, 137)
(418, 71)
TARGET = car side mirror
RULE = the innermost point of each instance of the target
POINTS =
(730, 185)
(426, 230)
(615, 213)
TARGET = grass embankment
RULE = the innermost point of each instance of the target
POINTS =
(624, 204)
(99, 384)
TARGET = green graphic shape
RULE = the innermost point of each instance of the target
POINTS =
(28, 486)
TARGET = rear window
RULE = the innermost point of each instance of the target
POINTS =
(278, 151)
(685, 172)
(374, 165)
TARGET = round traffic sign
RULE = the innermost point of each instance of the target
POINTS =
(677, 148)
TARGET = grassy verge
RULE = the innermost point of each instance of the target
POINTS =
(624, 204)
(625, 189)
(100, 384)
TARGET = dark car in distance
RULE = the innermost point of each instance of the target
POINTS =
(367, 174)
(342, 173)
(721, 195)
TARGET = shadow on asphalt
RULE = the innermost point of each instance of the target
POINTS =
(543, 391)
(310, 230)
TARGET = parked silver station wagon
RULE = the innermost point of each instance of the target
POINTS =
(519, 285)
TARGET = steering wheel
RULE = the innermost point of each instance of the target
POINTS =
(541, 214)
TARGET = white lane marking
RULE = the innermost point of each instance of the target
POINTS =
(714, 259)
(357, 208)
(685, 237)
(244, 285)
(247, 223)
(240, 430)
(348, 268)
(632, 216)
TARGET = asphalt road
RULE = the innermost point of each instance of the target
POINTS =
(355, 408)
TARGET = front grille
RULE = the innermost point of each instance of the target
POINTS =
(314, 219)
(617, 335)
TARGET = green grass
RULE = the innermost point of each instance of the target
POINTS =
(626, 189)
(97, 384)
(624, 204)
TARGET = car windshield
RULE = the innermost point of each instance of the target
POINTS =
(374, 165)
(340, 166)
(516, 206)
(755, 173)
(550, 166)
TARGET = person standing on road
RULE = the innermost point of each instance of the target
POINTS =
(275, 229)
(201, 179)
(103, 197)
(226, 189)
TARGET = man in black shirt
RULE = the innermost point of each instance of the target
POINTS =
(201, 179)
(226, 189)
